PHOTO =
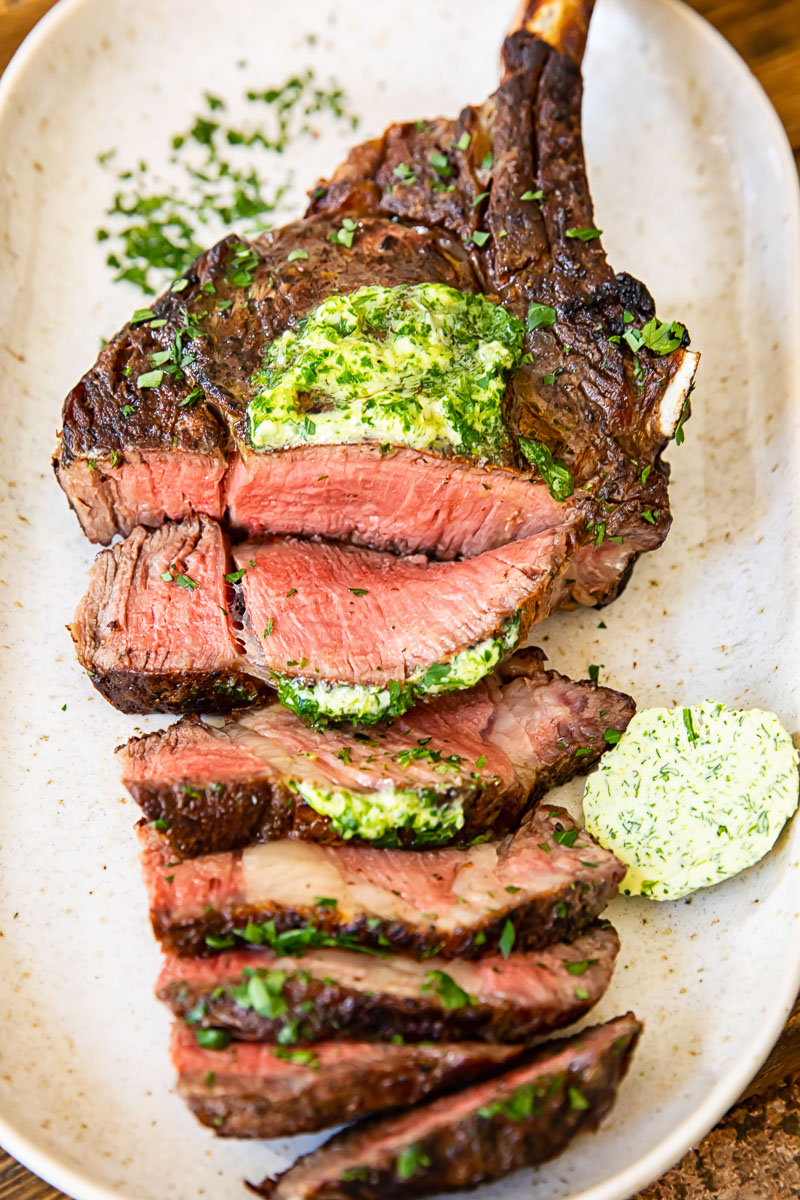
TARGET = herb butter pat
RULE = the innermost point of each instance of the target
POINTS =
(422, 365)
(321, 701)
(692, 796)
(378, 815)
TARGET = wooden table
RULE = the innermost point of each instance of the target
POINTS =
(754, 1153)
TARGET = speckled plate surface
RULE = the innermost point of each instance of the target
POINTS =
(696, 192)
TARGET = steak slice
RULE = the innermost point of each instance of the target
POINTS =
(388, 498)
(153, 630)
(601, 388)
(258, 1091)
(338, 631)
(544, 885)
(471, 761)
(335, 995)
(522, 1117)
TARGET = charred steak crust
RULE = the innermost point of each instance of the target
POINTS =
(523, 1117)
(212, 692)
(236, 1099)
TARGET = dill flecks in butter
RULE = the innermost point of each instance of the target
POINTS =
(692, 796)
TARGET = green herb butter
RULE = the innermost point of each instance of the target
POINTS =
(692, 796)
(320, 701)
(378, 815)
(423, 366)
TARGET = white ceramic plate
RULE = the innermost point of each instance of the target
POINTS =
(696, 191)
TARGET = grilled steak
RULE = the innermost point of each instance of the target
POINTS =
(153, 629)
(496, 203)
(335, 995)
(251, 1090)
(472, 762)
(338, 631)
(523, 1117)
(542, 886)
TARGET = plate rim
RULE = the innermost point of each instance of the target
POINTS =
(728, 1088)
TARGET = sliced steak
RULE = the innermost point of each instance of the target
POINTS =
(477, 759)
(335, 995)
(338, 631)
(153, 629)
(544, 885)
(495, 202)
(522, 1117)
(258, 1091)
(387, 497)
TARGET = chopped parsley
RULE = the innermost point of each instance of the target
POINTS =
(507, 938)
(584, 235)
(540, 316)
(560, 483)
(153, 233)
(451, 995)
(410, 1160)
(213, 1039)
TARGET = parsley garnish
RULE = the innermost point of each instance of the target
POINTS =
(507, 939)
(150, 379)
(540, 316)
(409, 1161)
(539, 195)
(560, 483)
(359, 591)
(612, 736)
(451, 995)
(303, 1058)
(584, 235)
(404, 173)
(213, 1039)
(441, 164)
(294, 255)
(235, 576)
(577, 1100)
(594, 671)
(480, 237)
(580, 968)
(344, 236)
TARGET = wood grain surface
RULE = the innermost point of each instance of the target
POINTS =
(754, 1153)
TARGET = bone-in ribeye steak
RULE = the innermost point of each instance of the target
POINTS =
(523, 1117)
(592, 392)
(492, 751)
(262, 1091)
(548, 882)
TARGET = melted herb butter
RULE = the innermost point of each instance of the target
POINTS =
(378, 815)
(692, 796)
(321, 701)
(423, 366)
